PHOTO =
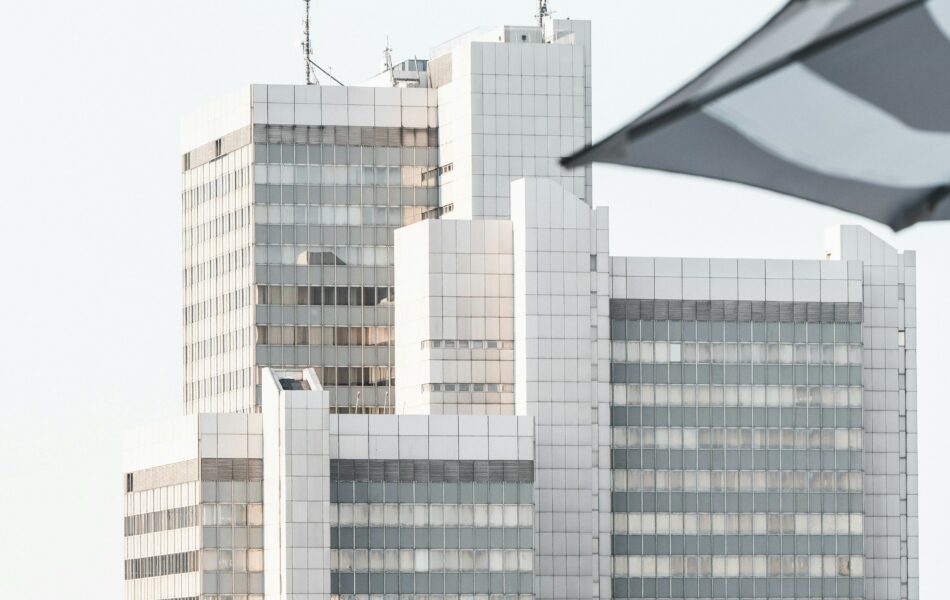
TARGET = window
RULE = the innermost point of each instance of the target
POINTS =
(675, 352)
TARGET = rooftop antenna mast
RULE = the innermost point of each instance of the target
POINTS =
(388, 61)
(307, 50)
(309, 64)
(543, 12)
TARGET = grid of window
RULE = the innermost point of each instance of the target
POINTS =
(218, 263)
(328, 200)
(736, 450)
(432, 527)
(232, 533)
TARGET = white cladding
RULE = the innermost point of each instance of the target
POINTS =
(888, 281)
(502, 342)
(455, 350)
(511, 107)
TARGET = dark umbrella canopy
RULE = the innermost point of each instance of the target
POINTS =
(842, 102)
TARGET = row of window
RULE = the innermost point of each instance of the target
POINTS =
(166, 564)
(351, 175)
(717, 459)
(432, 493)
(739, 545)
(232, 585)
(161, 520)
(337, 215)
(411, 200)
(410, 561)
(217, 266)
(736, 524)
(494, 538)
(324, 336)
(738, 587)
(211, 307)
(232, 536)
(218, 344)
(732, 331)
(756, 353)
(353, 256)
(411, 147)
(407, 471)
(436, 173)
(431, 583)
(440, 515)
(225, 382)
(735, 374)
(302, 295)
(467, 387)
(232, 491)
(469, 344)
(224, 515)
(356, 376)
(735, 416)
(732, 395)
(784, 502)
(215, 188)
(737, 481)
(221, 225)
(737, 566)
(233, 560)
(759, 438)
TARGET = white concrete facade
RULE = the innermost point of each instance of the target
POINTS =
(457, 354)
(560, 295)
(511, 102)
(565, 424)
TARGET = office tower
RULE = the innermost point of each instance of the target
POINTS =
(562, 423)
(764, 419)
(291, 195)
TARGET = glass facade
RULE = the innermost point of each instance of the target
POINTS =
(232, 540)
(327, 200)
(218, 275)
(433, 529)
(288, 244)
(737, 450)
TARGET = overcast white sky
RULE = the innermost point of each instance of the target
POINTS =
(90, 241)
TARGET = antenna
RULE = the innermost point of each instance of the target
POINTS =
(309, 64)
(388, 61)
(543, 12)
(305, 44)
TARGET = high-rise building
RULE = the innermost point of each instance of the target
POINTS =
(530, 416)
(292, 194)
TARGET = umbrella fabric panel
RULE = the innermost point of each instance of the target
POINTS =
(902, 66)
(809, 121)
(704, 146)
(857, 116)
(798, 25)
